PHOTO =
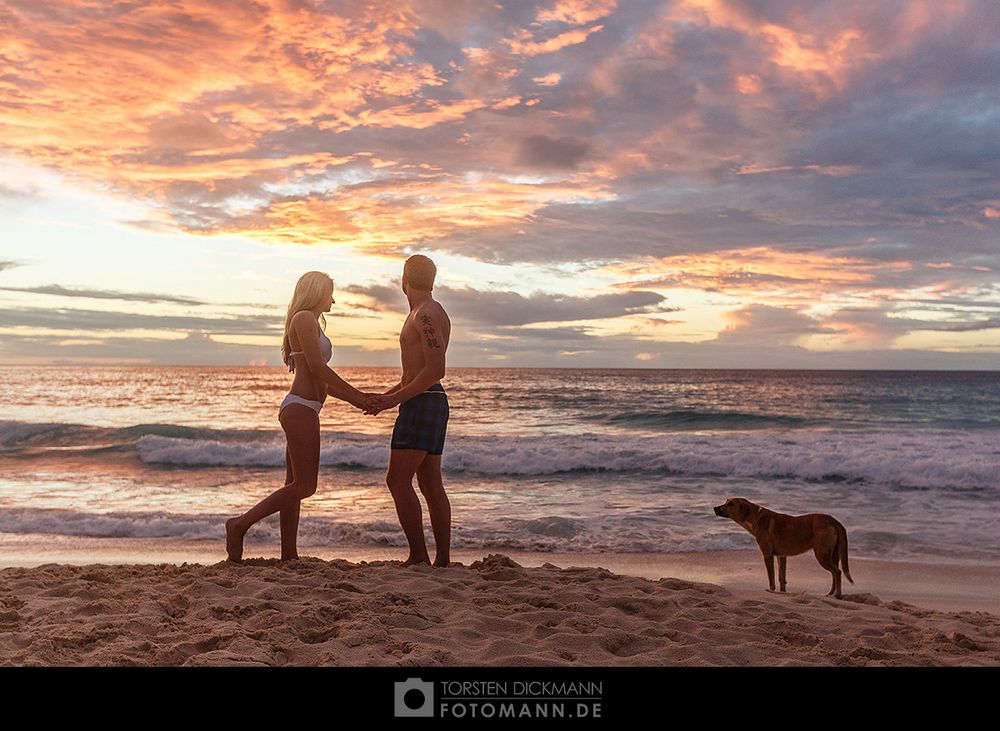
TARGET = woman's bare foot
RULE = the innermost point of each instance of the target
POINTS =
(234, 540)
(411, 560)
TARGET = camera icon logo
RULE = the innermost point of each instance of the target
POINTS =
(414, 699)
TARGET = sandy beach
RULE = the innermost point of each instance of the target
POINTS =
(489, 610)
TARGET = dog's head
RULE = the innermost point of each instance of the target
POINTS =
(738, 509)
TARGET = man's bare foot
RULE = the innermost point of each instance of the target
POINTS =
(441, 563)
(234, 541)
(411, 560)
(294, 557)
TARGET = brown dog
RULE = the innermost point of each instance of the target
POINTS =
(789, 535)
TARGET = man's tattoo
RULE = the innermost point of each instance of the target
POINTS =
(432, 342)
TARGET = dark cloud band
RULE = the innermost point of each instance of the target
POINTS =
(58, 290)
(507, 308)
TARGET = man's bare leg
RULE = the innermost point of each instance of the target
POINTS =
(432, 487)
(403, 464)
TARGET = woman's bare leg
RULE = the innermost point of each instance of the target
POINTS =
(289, 517)
(301, 425)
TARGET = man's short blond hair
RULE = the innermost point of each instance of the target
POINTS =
(420, 272)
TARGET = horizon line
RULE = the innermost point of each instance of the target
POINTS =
(524, 368)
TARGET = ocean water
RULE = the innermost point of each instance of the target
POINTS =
(575, 460)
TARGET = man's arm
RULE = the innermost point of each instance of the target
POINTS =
(432, 345)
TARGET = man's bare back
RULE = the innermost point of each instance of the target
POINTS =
(427, 324)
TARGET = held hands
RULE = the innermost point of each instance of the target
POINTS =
(366, 403)
(373, 403)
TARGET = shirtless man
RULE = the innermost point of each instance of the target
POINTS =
(418, 435)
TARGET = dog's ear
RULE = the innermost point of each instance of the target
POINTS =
(742, 509)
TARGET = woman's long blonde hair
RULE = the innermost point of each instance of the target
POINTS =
(310, 290)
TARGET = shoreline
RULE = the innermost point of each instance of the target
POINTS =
(939, 585)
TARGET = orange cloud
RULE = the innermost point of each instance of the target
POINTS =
(548, 80)
(419, 115)
(210, 169)
(577, 12)
(385, 215)
(524, 43)
(823, 50)
(759, 270)
(836, 171)
(748, 83)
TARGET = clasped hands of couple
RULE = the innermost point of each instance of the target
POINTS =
(373, 403)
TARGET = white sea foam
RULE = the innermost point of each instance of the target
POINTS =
(614, 532)
(594, 534)
(927, 459)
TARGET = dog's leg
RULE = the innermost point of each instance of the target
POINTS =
(828, 562)
(769, 564)
(782, 562)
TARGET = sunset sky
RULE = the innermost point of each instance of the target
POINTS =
(690, 183)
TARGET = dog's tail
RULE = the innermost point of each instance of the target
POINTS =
(842, 543)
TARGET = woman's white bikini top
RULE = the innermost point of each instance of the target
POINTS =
(325, 350)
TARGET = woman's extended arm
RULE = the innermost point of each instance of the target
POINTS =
(346, 392)
(304, 325)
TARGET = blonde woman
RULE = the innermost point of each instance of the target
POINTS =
(306, 350)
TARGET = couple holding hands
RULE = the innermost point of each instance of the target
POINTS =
(419, 431)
